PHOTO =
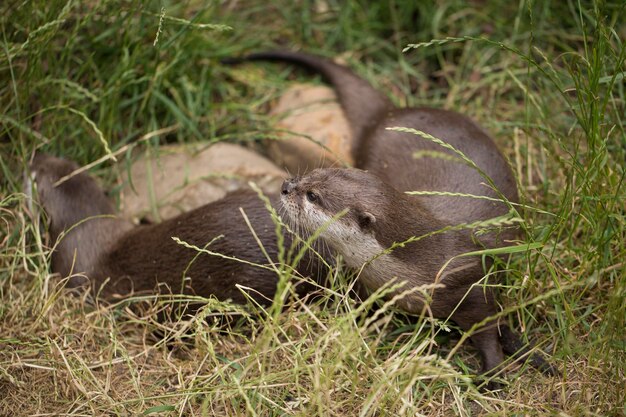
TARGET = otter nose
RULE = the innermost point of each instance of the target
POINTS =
(288, 185)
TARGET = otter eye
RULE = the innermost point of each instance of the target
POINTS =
(311, 196)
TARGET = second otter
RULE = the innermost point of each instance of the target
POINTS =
(93, 246)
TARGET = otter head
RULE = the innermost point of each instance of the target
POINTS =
(345, 205)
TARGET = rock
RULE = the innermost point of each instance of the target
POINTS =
(182, 177)
(314, 114)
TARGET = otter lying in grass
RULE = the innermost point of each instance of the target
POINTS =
(95, 247)
(388, 236)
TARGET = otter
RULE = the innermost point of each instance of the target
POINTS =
(360, 216)
(407, 161)
(470, 183)
(96, 248)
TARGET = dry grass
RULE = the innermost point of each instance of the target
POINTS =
(552, 93)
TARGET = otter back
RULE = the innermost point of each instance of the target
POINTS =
(409, 162)
(95, 250)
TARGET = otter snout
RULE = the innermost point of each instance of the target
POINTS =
(288, 185)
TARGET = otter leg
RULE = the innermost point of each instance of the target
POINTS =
(476, 307)
(513, 346)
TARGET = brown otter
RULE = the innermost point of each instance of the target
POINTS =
(391, 155)
(379, 217)
(94, 245)
(408, 162)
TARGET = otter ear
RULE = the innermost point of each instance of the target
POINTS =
(366, 220)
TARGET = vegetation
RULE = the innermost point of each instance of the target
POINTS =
(86, 79)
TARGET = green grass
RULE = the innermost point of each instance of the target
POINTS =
(83, 79)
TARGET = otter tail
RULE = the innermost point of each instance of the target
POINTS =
(82, 222)
(361, 102)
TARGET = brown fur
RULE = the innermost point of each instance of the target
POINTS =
(378, 211)
(390, 156)
(142, 258)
